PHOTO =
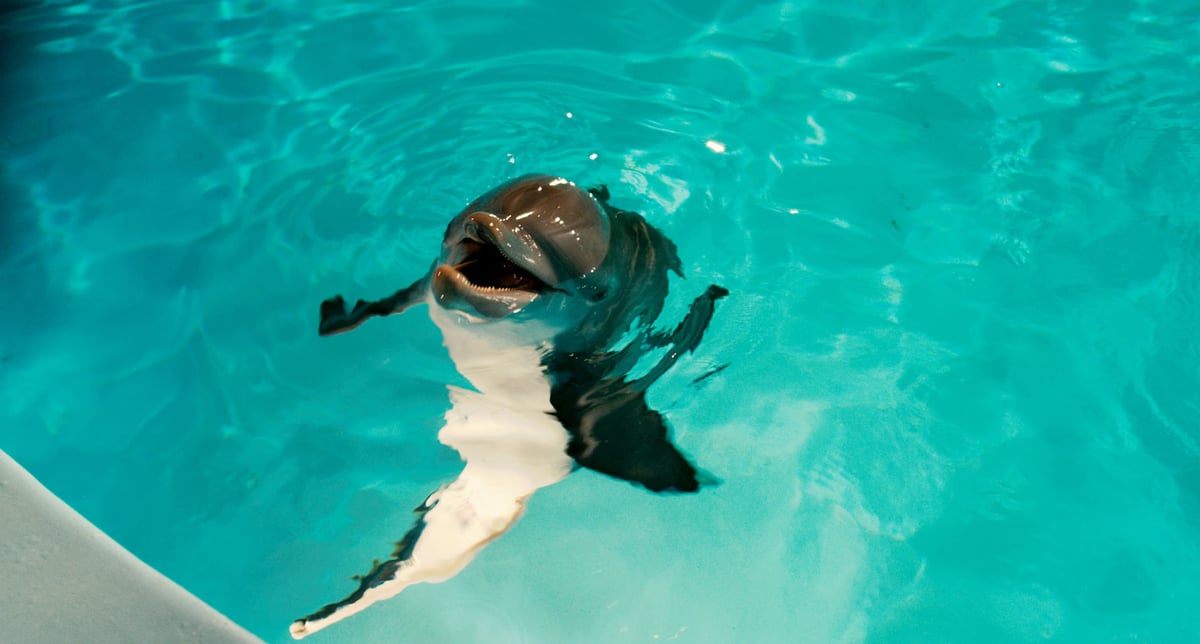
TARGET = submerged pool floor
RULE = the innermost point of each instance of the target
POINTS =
(960, 238)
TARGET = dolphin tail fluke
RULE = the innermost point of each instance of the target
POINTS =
(455, 523)
(335, 319)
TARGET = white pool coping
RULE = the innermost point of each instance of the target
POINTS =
(63, 580)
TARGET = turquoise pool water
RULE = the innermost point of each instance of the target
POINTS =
(962, 241)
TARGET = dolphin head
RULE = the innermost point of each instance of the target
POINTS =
(537, 243)
(536, 259)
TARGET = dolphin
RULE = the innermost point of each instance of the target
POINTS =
(545, 295)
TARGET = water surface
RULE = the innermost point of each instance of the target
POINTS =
(961, 238)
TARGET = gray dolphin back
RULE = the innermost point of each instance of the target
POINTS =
(613, 430)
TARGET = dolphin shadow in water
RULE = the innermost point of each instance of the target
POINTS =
(545, 295)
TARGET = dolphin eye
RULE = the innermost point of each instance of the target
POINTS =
(598, 295)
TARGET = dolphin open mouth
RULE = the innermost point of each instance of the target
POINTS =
(491, 271)
(485, 266)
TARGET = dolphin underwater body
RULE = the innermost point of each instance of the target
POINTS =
(545, 295)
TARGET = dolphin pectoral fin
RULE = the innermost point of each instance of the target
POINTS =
(600, 192)
(455, 523)
(613, 431)
(335, 319)
(686, 336)
(619, 435)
